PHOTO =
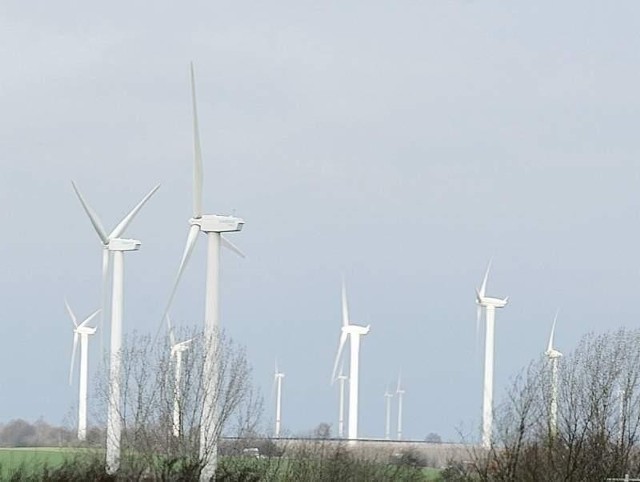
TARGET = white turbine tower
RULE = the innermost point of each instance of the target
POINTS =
(400, 393)
(354, 332)
(81, 332)
(490, 305)
(177, 349)
(387, 410)
(341, 381)
(116, 245)
(553, 356)
(277, 380)
(213, 226)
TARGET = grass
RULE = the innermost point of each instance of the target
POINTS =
(32, 459)
(26, 463)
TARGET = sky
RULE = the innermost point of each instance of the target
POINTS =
(402, 144)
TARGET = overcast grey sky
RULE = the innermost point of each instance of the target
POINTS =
(402, 143)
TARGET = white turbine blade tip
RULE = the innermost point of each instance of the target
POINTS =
(232, 247)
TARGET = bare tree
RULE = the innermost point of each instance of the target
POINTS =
(598, 416)
(149, 391)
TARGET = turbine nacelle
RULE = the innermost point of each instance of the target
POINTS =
(180, 347)
(488, 301)
(356, 329)
(553, 354)
(85, 330)
(121, 244)
(214, 223)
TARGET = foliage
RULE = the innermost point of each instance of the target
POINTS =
(598, 426)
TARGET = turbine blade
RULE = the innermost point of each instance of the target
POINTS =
(343, 340)
(188, 249)
(197, 153)
(345, 306)
(73, 356)
(119, 229)
(93, 217)
(399, 377)
(229, 245)
(483, 287)
(553, 329)
(70, 311)
(89, 318)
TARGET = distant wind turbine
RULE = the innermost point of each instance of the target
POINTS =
(553, 355)
(177, 349)
(353, 332)
(400, 393)
(81, 332)
(213, 226)
(489, 304)
(387, 412)
(116, 245)
(277, 380)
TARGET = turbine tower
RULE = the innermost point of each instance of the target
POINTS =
(116, 245)
(81, 332)
(354, 332)
(400, 393)
(213, 226)
(277, 379)
(387, 420)
(177, 349)
(341, 381)
(489, 304)
(553, 355)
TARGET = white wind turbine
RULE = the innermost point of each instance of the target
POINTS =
(177, 349)
(400, 393)
(277, 380)
(341, 381)
(81, 332)
(354, 332)
(553, 355)
(387, 409)
(490, 305)
(213, 226)
(112, 243)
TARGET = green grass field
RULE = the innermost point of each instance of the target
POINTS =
(32, 458)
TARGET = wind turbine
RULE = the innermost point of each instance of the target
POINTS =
(213, 226)
(400, 393)
(277, 380)
(341, 381)
(489, 304)
(112, 243)
(387, 421)
(177, 349)
(81, 331)
(354, 332)
(553, 356)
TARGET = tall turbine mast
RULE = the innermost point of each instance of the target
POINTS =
(353, 332)
(553, 355)
(81, 332)
(341, 381)
(213, 226)
(115, 246)
(277, 379)
(489, 304)
(387, 411)
(400, 393)
(177, 349)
